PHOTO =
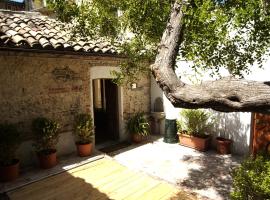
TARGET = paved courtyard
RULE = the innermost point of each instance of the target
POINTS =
(206, 174)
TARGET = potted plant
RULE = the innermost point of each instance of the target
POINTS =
(46, 137)
(194, 129)
(84, 132)
(138, 127)
(9, 142)
(223, 145)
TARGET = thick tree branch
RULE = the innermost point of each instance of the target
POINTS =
(227, 94)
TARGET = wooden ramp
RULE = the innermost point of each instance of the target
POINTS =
(98, 180)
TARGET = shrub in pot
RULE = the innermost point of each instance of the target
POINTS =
(138, 127)
(251, 180)
(84, 132)
(9, 142)
(46, 137)
(194, 129)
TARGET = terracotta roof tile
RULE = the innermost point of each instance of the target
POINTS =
(36, 31)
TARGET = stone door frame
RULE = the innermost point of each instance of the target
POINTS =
(104, 72)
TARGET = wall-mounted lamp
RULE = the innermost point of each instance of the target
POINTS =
(133, 86)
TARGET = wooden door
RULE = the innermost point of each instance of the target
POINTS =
(112, 112)
(260, 133)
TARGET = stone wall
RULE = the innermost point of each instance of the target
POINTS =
(56, 86)
(32, 86)
(138, 99)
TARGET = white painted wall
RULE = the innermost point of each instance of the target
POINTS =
(156, 92)
(236, 126)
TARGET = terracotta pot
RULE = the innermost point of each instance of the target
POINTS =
(201, 144)
(47, 160)
(223, 145)
(84, 150)
(11, 172)
(137, 138)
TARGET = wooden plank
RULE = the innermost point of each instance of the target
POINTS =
(90, 165)
(40, 186)
(86, 179)
(53, 181)
(146, 186)
(157, 192)
(111, 177)
(102, 169)
(128, 188)
(101, 180)
(118, 183)
(79, 190)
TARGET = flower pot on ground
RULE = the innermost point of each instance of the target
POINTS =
(194, 129)
(47, 159)
(46, 137)
(137, 138)
(84, 133)
(223, 145)
(195, 142)
(138, 127)
(10, 140)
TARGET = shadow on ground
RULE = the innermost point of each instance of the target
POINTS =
(130, 146)
(213, 172)
(57, 187)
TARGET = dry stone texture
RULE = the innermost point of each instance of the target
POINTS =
(57, 87)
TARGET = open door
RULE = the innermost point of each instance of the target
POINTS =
(106, 112)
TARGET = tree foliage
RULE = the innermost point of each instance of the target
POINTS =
(216, 33)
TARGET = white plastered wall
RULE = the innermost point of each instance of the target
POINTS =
(236, 126)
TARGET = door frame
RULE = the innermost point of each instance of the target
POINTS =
(104, 72)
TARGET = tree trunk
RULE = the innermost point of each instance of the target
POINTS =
(226, 95)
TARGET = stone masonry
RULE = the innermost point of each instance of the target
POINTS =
(56, 86)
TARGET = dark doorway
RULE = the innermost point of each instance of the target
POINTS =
(105, 99)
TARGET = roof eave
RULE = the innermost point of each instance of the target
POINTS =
(62, 52)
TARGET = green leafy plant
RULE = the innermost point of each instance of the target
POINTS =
(10, 138)
(46, 134)
(195, 122)
(138, 124)
(251, 180)
(206, 37)
(84, 128)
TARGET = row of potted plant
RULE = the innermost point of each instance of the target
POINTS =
(46, 134)
(194, 130)
(138, 127)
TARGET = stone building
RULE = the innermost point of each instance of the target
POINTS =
(12, 5)
(45, 73)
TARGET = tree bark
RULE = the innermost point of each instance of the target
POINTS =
(226, 95)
